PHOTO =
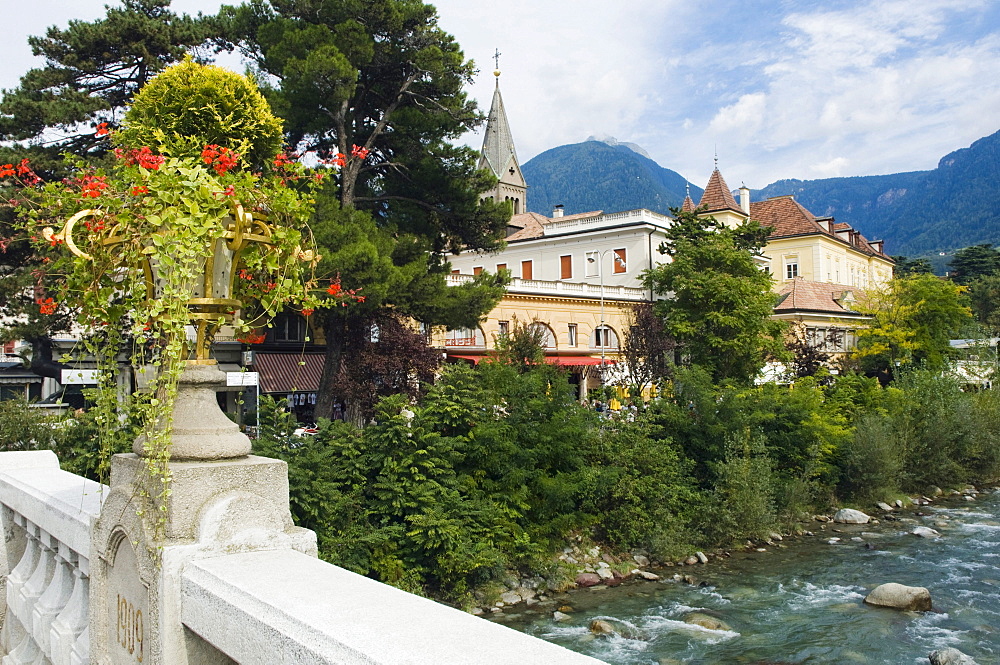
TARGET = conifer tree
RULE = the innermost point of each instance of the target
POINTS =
(376, 88)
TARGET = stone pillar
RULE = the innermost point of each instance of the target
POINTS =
(220, 501)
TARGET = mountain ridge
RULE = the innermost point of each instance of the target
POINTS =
(915, 212)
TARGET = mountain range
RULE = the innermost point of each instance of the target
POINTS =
(917, 213)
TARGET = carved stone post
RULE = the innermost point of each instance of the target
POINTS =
(220, 501)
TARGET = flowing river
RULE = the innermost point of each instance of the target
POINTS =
(803, 603)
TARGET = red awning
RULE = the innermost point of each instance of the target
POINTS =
(288, 372)
(563, 361)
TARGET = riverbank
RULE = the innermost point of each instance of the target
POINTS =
(800, 600)
(588, 566)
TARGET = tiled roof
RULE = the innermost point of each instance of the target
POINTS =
(791, 218)
(786, 215)
(800, 294)
(688, 205)
(530, 225)
(717, 195)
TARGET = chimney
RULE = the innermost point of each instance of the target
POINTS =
(745, 198)
(558, 211)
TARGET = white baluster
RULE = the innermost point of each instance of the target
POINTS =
(54, 598)
(72, 621)
(32, 590)
(25, 653)
(81, 650)
(22, 572)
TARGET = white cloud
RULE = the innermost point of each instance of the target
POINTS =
(743, 117)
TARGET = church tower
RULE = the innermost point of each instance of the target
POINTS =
(499, 157)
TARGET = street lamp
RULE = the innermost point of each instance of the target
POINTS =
(600, 271)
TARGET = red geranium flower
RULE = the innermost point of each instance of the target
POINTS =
(102, 129)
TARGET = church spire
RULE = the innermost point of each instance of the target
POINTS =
(498, 154)
(688, 205)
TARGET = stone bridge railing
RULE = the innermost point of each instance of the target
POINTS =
(235, 581)
(46, 516)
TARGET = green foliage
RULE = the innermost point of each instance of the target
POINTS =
(189, 106)
(912, 321)
(907, 266)
(872, 461)
(640, 490)
(722, 303)
(743, 506)
(523, 345)
(984, 299)
(92, 70)
(973, 262)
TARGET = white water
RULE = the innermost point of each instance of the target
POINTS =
(803, 603)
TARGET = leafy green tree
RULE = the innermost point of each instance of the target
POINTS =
(648, 351)
(91, 72)
(720, 304)
(972, 262)
(377, 89)
(912, 320)
(907, 266)
(984, 298)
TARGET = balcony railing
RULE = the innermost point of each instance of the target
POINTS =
(612, 219)
(561, 288)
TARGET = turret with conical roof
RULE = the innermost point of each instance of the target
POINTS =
(499, 157)
(719, 201)
(688, 205)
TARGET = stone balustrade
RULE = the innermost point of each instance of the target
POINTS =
(284, 606)
(237, 583)
(46, 516)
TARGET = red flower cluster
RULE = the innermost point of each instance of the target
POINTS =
(229, 191)
(22, 170)
(47, 306)
(55, 241)
(308, 311)
(102, 129)
(144, 157)
(140, 190)
(92, 186)
(282, 160)
(337, 291)
(252, 338)
(222, 159)
(359, 152)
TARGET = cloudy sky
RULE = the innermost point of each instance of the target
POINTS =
(780, 88)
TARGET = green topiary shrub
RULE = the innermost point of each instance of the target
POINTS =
(190, 105)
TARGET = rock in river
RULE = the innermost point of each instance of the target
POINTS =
(950, 656)
(706, 621)
(900, 597)
(850, 516)
(925, 532)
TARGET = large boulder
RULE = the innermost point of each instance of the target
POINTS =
(602, 627)
(706, 621)
(925, 532)
(900, 597)
(587, 579)
(850, 516)
(950, 656)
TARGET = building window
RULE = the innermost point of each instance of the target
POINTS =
(791, 270)
(456, 272)
(604, 338)
(593, 264)
(526, 272)
(572, 334)
(620, 264)
(464, 337)
(289, 328)
(501, 266)
(478, 270)
(547, 338)
(566, 267)
(504, 327)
